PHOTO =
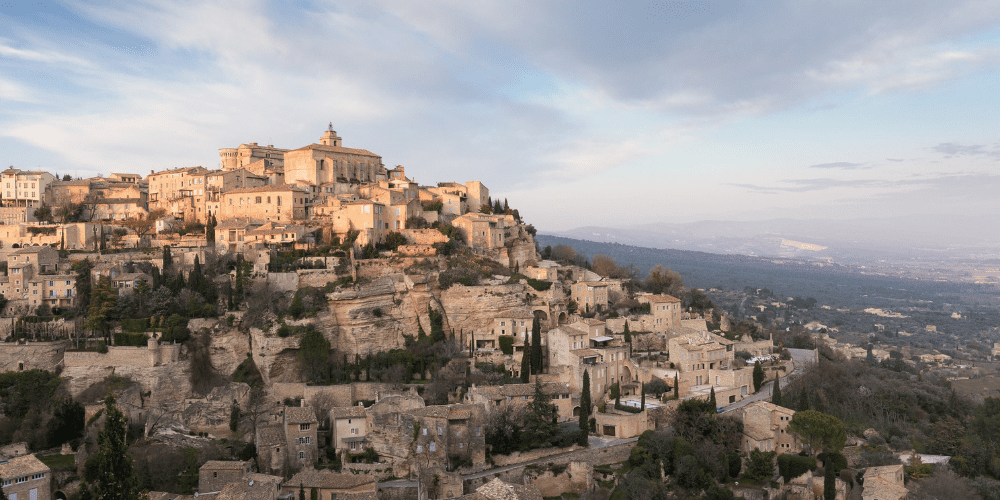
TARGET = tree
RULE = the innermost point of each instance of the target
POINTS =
(297, 307)
(870, 357)
(115, 477)
(66, 424)
(711, 397)
(819, 431)
(604, 265)
(526, 361)
(677, 388)
(210, 228)
(563, 253)
(83, 286)
(536, 346)
(167, 258)
(43, 214)
(776, 392)
(663, 280)
(540, 420)
(829, 482)
(642, 390)
(758, 376)
(302, 492)
(585, 409)
(314, 352)
(102, 305)
(234, 416)
(143, 225)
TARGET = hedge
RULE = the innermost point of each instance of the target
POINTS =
(839, 461)
(130, 339)
(506, 344)
(792, 466)
(135, 325)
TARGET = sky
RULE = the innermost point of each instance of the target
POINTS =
(578, 113)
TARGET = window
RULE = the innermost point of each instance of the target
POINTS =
(433, 447)
(258, 199)
(303, 427)
(420, 448)
(425, 431)
(354, 431)
(440, 431)
(302, 455)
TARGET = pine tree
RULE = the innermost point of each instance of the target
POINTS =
(776, 392)
(536, 346)
(711, 397)
(115, 478)
(585, 409)
(829, 482)
(677, 388)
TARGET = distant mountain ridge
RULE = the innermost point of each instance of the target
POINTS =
(856, 240)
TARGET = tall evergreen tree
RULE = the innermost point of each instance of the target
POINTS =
(585, 409)
(167, 258)
(628, 334)
(536, 346)
(677, 388)
(776, 392)
(618, 394)
(302, 492)
(116, 479)
(196, 279)
(210, 228)
(642, 389)
(102, 305)
(870, 357)
(526, 361)
(758, 376)
(829, 482)
(711, 397)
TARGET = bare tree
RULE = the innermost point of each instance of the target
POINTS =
(142, 226)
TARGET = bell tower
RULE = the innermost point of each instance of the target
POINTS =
(330, 137)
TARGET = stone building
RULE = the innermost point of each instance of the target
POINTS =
(231, 234)
(21, 188)
(216, 474)
(25, 477)
(329, 484)
(584, 346)
(179, 192)
(34, 275)
(348, 427)
(300, 425)
(329, 161)
(246, 154)
(412, 436)
(272, 234)
(884, 483)
(590, 295)
(279, 203)
(705, 361)
(218, 182)
(765, 428)
(270, 440)
(665, 310)
(349, 213)
(482, 230)
(493, 397)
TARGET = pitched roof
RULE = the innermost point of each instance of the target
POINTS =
(337, 149)
(300, 415)
(22, 466)
(224, 465)
(660, 298)
(330, 480)
(348, 412)
(270, 436)
(238, 222)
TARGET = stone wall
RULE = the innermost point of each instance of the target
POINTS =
(32, 355)
(285, 282)
(379, 471)
(578, 477)
(424, 236)
(317, 277)
(518, 457)
(695, 324)
(341, 395)
(600, 456)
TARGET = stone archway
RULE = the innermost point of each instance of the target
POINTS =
(576, 411)
(59, 495)
(562, 317)
(625, 374)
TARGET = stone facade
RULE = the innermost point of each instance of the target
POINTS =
(137, 357)
(26, 478)
(765, 428)
(278, 203)
(329, 161)
(216, 474)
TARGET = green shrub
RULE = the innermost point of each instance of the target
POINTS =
(135, 325)
(130, 339)
(506, 344)
(792, 466)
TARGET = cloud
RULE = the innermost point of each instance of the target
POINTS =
(951, 150)
(839, 164)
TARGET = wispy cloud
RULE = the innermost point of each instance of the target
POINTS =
(840, 165)
(951, 150)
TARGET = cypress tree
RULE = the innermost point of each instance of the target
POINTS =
(758, 376)
(536, 346)
(116, 479)
(642, 389)
(196, 280)
(167, 259)
(526, 361)
(302, 492)
(776, 392)
(711, 397)
(585, 409)
(677, 388)
(618, 395)
(829, 482)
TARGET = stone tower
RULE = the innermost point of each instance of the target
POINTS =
(330, 137)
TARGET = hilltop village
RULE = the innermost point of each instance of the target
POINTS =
(310, 322)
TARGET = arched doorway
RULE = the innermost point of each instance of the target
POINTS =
(562, 318)
(59, 495)
(576, 411)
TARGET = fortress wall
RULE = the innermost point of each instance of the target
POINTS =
(33, 355)
(139, 357)
(424, 236)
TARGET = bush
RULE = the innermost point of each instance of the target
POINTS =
(506, 344)
(838, 461)
(135, 325)
(130, 339)
(792, 466)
